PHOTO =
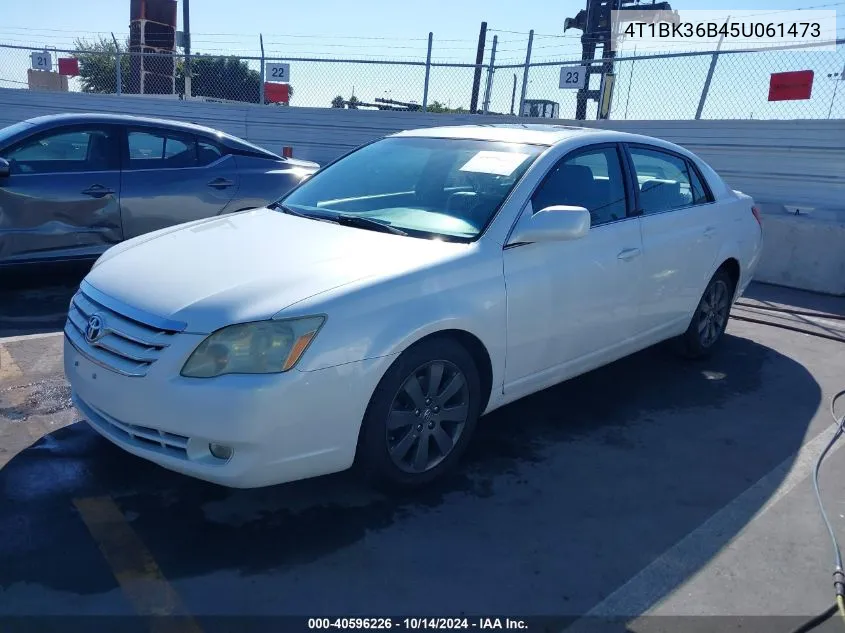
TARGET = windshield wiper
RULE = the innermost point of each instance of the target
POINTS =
(342, 219)
(362, 222)
(299, 214)
(288, 210)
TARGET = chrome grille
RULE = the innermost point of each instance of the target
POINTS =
(123, 343)
(141, 436)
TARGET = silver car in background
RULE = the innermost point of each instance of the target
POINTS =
(72, 185)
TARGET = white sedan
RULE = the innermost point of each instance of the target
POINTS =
(377, 310)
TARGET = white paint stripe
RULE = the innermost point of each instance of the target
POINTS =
(8, 367)
(676, 565)
(28, 337)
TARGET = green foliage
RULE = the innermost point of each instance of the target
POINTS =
(98, 65)
(438, 108)
(338, 102)
(226, 78)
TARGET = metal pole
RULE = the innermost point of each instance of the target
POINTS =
(837, 79)
(608, 81)
(489, 87)
(525, 72)
(630, 80)
(186, 31)
(479, 60)
(513, 93)
(118, 70)
(707, 81)
(261, 41)
(427, 72)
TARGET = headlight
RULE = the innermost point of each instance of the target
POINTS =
(262, 347)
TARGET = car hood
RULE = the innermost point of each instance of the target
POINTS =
(247, 266)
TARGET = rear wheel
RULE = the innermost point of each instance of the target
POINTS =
(708, 324)
(421, 416)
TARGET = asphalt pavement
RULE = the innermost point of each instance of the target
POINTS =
(654, 490)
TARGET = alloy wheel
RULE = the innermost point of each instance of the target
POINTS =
(427, 416)
(713, 313)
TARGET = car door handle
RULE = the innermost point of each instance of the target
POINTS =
(220, 183)
(97, 191)
(710, 231)
(629, 254)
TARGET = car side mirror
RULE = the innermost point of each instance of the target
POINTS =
(553, 224)
(5, 168)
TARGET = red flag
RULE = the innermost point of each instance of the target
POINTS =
(276, 93)
(790, 86)
(69, 66)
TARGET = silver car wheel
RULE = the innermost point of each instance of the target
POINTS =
(713, 313)
(427, 416)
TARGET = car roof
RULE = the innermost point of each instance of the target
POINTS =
(102, 117)
(534, 134)
(51, 120)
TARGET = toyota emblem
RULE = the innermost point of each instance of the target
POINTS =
(95, 329)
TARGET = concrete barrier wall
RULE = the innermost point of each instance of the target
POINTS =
(792, 165)
(795, 163)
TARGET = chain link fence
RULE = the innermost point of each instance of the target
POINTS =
(655, 86)
(674, 86)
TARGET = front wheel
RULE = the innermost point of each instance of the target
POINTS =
(708, 324)
(421, 416)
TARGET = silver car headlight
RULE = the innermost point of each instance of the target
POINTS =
(261, 347)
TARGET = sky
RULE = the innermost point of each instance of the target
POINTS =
(382, 29)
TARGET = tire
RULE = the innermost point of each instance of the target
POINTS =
(399, 418)
(707, 327)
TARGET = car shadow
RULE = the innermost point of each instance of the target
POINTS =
(562, 497)
(34, 299)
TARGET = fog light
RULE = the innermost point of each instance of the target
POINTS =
(220, 451)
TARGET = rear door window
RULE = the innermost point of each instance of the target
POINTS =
(208, 151)
(160, 149)
(699, 192)
(666, 181)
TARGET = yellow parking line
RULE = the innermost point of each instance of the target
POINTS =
(134, 567)
(8, 367)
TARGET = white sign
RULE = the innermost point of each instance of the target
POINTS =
(42, 61)
(277, 72)
(496, 163)
(573, 77)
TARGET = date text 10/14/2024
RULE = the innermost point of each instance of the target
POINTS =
(413, 624)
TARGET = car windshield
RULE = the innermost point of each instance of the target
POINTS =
(424, 187)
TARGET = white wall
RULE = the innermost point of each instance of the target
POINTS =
(790, 164)
(795, 163)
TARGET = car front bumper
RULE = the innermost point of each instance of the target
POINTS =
(281, 427)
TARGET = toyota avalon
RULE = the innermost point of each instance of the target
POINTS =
(377, 310)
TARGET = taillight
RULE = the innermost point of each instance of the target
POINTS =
(756, 213)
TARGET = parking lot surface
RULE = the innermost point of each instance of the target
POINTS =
(653, 486)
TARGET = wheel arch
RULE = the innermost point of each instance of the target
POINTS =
(732, 266)
(462, 337)
(476, 348)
